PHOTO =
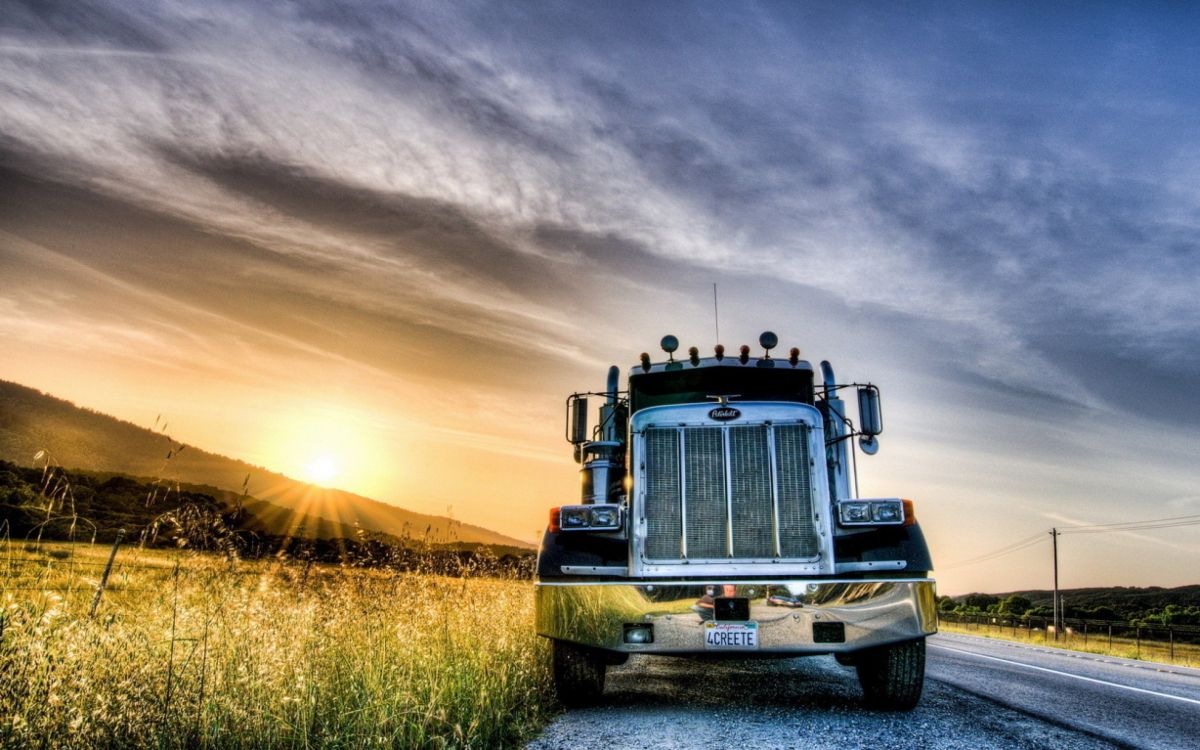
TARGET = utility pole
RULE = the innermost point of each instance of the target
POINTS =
(1057, 608)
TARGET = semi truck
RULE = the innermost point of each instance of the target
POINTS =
(719, 516)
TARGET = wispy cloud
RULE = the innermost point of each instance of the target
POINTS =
(863, 190)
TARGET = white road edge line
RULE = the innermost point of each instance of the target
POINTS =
(1068, 674)
(1175, 669)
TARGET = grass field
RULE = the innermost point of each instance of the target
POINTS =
(192, 651)
(1181, 654)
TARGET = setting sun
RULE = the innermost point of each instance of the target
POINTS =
(333, 445)
(322, 470)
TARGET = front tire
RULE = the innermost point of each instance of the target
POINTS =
(893, 676)
(578, 673)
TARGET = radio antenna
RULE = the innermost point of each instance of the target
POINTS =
(716, 315)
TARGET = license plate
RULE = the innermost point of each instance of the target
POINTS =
(731, 636)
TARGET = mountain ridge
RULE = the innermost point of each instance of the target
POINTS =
(87, 440)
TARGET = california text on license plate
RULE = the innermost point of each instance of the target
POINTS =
(731, 636)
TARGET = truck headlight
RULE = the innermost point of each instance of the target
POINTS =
(605, 517)
(575, 518)
(854, 513)
(887, 512)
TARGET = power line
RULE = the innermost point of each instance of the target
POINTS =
(1188, 517)
(1001, 552)
(1023, 544)
(1097, 528)
(1149, 523)
(1140, 527)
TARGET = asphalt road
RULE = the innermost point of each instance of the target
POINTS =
(1133, 703)
(979, 693)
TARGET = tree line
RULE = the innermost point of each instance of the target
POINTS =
(1122, 607)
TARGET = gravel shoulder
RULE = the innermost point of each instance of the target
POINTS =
(809, 703)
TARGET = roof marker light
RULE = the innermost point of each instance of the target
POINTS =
(645, 362)
(794, 356)
(719, 350)
(694, 356)
(744, 354)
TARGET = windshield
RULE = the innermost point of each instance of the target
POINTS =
(688, 385)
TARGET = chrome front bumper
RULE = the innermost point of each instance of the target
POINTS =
(871, 613)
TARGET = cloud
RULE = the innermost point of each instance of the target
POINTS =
(337, 136)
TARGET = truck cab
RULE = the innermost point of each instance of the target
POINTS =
(718, 515)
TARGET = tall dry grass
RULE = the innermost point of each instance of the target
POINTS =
(223, 654)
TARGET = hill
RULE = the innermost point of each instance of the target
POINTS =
(38, 505)
(85, 440)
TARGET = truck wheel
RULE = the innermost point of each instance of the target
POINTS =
(578, 673)
(892, 676)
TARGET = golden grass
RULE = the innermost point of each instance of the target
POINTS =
(261, 654)
(1180, 654)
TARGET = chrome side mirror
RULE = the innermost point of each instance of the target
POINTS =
(870, 417)
(577, 429)
(870, 414)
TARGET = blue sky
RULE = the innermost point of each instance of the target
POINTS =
(436, 219)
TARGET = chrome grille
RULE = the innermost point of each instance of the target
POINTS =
(664, 515)
(728, 491)
(753, 502)
(797, 535)
(704, 479)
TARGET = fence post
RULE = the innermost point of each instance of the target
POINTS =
(1110, 636)
(1171, 635)
(1138, 636)
(107, 569)
(1085, 634)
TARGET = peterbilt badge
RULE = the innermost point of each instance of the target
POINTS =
(724, 413)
